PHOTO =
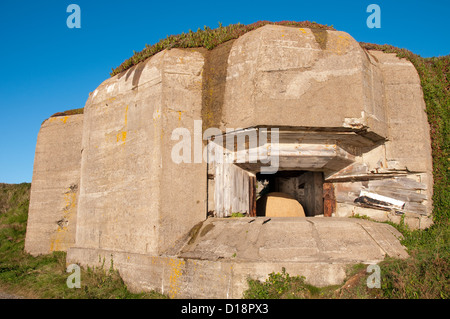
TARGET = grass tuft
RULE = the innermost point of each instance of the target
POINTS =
(45, 276)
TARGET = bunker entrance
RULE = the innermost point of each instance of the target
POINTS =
(290, 194)
(295, 162)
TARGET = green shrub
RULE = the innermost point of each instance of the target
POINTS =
(279, 286)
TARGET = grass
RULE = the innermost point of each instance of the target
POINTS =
(46, 276)
(207, 38)
(284, 286)
(425, 275)
(69, 112)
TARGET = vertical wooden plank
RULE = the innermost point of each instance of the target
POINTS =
(245, 193)
(239, 190)
(218, 192)
(252, 195)
(231, 193)
(318, 193)
(309, 194)
(235, 189)
(226, 189)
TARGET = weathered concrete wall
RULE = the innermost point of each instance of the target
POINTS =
(401, 167)
(133, 197)
(182, 185)
(55, 186)
(409, 144)
(223, 253)
(300, 77)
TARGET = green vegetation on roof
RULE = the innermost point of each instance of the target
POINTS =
(207, 38)
(69, 112)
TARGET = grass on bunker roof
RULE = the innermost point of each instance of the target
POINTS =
(207, 38)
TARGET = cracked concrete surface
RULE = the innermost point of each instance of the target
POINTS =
(310, 239)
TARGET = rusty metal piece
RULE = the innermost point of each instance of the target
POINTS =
(329, 200)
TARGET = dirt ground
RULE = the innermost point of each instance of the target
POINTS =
(4, 295)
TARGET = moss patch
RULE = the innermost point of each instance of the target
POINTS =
(193, 233)
(321, 37)
(213, 88)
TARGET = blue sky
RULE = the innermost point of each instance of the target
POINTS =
(47, 67)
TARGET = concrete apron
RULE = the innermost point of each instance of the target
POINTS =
(219, 255)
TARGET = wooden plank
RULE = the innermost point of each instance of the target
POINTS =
(231, 190)
(400, 194)
(415, 208)
(252, 192)
(218, 199)
(402, 183)
(318, 193)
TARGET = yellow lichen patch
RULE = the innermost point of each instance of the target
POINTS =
(55, 244)
(339, 44)
(70, 200)
(58, 118)
(126, 115)
(175, 266)
(302, 30)
(177, 111)
(62, 238)
(121, 136)
(156, 114)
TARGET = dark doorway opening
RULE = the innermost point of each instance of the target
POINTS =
(305, 186)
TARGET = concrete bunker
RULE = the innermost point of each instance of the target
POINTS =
(349, 118)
